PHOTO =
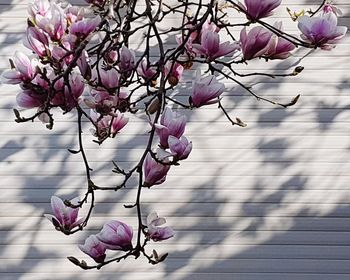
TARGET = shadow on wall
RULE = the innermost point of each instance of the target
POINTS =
(275, 207)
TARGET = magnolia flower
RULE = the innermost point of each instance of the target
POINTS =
(68, 97)
(103, 102)
(53, 22)
(84, 27)
(256, 42)
(321, 31)
(108, 78)
(155, 172)
(206, 90)
(24, 70)
(279, 48)
(116, 236)
(83, 65)
(29, 99)
(108, 126)
(180, 148)
(257, 9)
(329, 7)
(127, 60)
(170, 124)
(174, 71)
(64, 216)
(38, 7)
(146, 71)
(211, 48)
(155, 232)
(94, 248)
(36, 41)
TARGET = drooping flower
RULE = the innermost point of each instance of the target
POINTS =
(36, 41)
(211, 47)
(256, 42)
(64, 216)
(24, 70)
(321, 31)
(206, 90)
(258, 9)
(154, 172)
(94, 248)
(180, 148)
(154, 231)
(279, 48)
(116, 236)
(170, 123)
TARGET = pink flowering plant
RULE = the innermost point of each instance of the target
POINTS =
(81, 60)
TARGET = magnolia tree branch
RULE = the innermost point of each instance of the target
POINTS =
(83, 60)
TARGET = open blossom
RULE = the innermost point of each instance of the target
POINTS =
(211, 47)
(108, 78)
(170, 123)
(155, 172)
(29, 99)
(154, 231)
(68, 97)
(64, 216)
(94, 248)
(321, 31)
(180, 148)
(256, 42)
(24, 70)
(116, 236)
(127, 60)
(36, 41)
(206, 90)
(103, 102)
(279, 48)
(108, 126)
(38, 7)
(84, 27)
(258, 9)
(53, 22)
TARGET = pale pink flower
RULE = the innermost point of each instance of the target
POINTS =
(94, 248)
(64, 216)
(108, 78)
(180, 148)
(173, 71)
(258, 9)
(116, 236)
(29, 99)
(206, 90)
(154, 172)
(170, 123)
(24, 70)
(146, 71)
(321, 31)
(36, 41)
(108, 126)
(154, 231)
(126, 60)
(84, 27)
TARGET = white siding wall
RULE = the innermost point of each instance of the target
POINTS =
(267, 202)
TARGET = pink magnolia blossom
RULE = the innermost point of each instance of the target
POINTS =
(279, 48)
(116, 236)
(29, 99)
(103, 102)
(108, 78)
(329, 7)
(38, 7)
(321, 31)
(256, 42)
(211, 47)
(174, 71)
(126, 60)
(36, 41)
(154, 231)
(24, 70)
(64, 216)
(94, 248)
(180, 148)
(154, 172)
(84, 27)
(206, 90)
(68, 97)
(83, 65)
(108, 126)
(258, 9)
(74, 14)
(53, 22)
(170, 123)
(146, 71)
